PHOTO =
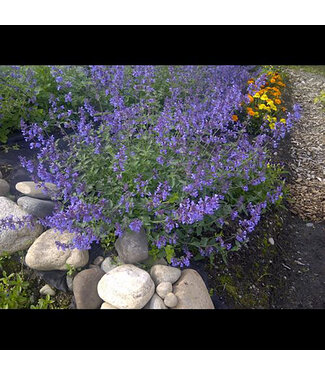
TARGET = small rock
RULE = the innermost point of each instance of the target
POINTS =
(271, 241)
(132, 247)
(92, 266)
(160, 273)
(1, 174)
(156, 303)
(69, 280)
(44, 255)
(310, 225)
(4, 187)
(98, 261)
(164, 288)
(47, 290)
(85, 288)
(31, 189)
(170, 300)
(126, 287)
(106, 305)
(12, 240)
(192, 292)
(108, 264)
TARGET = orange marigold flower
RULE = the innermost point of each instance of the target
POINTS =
(250, 81)
(235, 117)
(272, 80)
(251, 99)
(277, 101)
(284, 109)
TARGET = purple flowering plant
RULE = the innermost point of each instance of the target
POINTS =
(155, 148)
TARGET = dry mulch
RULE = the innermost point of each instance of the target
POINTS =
(307, 149)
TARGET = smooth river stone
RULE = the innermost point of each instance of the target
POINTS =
(161, 273)
(164, 288)
(192, 292)
(12, 240)
(126, 287)
(156, 303)
(31, 189)
(132, 247)
(85, 288)
(37, 207)
(44, 255)
(4, 187)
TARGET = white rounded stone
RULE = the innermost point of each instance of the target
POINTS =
(31, 189)
(161, 273)
(47, 290)
(170, 300)
(12, 240)
(44, 255)
(164, 288)
(156, 303)
(108, 306)
(126, 287)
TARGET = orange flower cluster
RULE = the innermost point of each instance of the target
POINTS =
(265, 102)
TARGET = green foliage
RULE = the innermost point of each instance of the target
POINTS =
(15, 291)
(320, 98)
(43, 303)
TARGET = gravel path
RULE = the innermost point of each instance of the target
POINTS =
(308, 147)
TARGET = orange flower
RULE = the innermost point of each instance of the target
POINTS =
(272, 80)
(251, 99)
(284, 109)
(250, 81)
(277, 101)
(235, 117)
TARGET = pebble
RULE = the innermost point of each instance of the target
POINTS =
(156, 303)
(161, 273)
(132, 247)
(69, 280)
(126, 287)
(98, 261)
(170, 300)
(164, 288)
(271, 241)
(1, 174)
(106, 305)
(309, 225)
(4, 187)
(47, 290)
(31, 189)
(37, 207)
(44, 255)
(108, 264)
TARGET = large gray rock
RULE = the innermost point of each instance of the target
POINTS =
(132, 247)
(192, 292)
(161, 273)
(126, 287)
(44, 255)
(37, 207)
(4, 187)
(31, 189)
(85, 288)
(156, 303)
(12, 240)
